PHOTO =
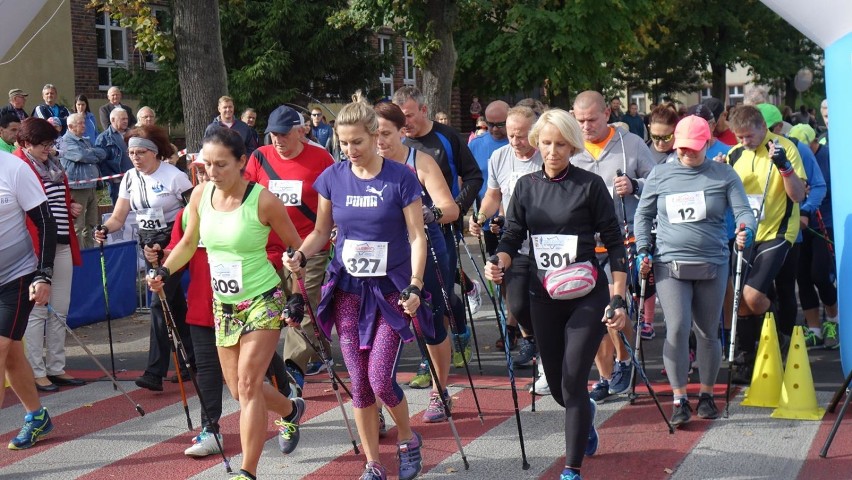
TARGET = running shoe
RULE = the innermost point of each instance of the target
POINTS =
(569, 474)
(647, 332)
(540, 387)
(288, 428)
(600, 392)
(592, 446)
(812, 340)
(410, 460)
(435, 412)
(422, 379)
(374, 471)
(383, 426)
(296, 379)
(474, 297)
(462, 339)
(620, 382)
(743, 368)
(204, 444)
(682, 413)
(36, 426)
(150, 381)
(707, 407)
(829, 333)
(315, 368)
(526, 352)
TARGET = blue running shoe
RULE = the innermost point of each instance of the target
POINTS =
(374, 471)
(36, 425)
(569, 474)
(526, 352)
(410, 459)
(592, 446)
(600, 392)
(620, 382)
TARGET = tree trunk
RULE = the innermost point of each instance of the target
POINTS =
(719, 77)
(201, 65)
(440, 68)
(790, 92)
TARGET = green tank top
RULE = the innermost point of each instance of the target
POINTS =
(236, 248)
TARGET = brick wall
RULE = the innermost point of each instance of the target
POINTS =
(84, 50)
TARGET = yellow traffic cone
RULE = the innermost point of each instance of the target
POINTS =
(798, 398)
(766, 379)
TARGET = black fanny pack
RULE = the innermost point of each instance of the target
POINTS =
(685, 270)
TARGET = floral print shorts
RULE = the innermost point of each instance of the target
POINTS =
(262, 312)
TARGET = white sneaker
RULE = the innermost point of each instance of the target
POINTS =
(204, 444)
(474, 297)
(540, 387)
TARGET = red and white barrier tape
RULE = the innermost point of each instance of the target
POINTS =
(108, 177)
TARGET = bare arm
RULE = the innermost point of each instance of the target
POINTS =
(188, 244)
(317, 239)
(417, 239)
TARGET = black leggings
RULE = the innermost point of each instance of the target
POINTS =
(568, 333)
(785, 291)
(816, 269)
(208, 375)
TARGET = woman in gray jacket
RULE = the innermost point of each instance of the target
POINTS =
(689, 198)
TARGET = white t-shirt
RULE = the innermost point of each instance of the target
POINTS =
(20, 191)
(504, 170)
(156, 198)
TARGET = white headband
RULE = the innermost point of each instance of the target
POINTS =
(144, 143)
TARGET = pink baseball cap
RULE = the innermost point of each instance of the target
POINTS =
(692, 132)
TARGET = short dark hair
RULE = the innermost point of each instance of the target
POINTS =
(35, 131)
(391, 112)
(228, 138)
(663, 114)
(84, 99)
(8, 118)
(156, 134)
(615, 98)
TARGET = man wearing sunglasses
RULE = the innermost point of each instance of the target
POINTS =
(484, 145)
(321, 130)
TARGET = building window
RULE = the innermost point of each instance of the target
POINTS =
(386, 77)
(164, 24)
(706, 93)
(410, 77)
(639, 99)
(112, 48)
(735, 94)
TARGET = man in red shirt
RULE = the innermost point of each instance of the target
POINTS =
(288, 168)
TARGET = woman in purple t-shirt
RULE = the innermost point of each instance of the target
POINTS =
(380, 253)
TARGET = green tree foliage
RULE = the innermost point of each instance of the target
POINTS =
(508, 46)
(429, 24)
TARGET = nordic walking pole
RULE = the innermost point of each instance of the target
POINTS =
(737, 286)
(326, 357)
(177, 345)
(318, 352)
(442, 394)
(167, 312)
(466, 305)
(501, 320)
(453, 325)
(631, 284)
(106, 308)
(641, 372)
(115, 384)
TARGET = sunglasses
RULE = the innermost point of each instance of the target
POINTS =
(496, 124)
(662, 138)
(316, 114)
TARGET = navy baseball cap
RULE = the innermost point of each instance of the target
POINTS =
(282, 120)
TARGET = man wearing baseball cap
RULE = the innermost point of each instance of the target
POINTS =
(17, 100)
(288, 167)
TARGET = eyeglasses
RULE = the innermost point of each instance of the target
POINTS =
(46, 145)
(496, 124)
(316, 114)
(662, 138)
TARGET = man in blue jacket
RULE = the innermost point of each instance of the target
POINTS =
(80, 160)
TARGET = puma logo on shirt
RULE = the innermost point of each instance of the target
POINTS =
(364, 200)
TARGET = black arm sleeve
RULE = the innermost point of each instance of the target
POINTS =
(516, 222)
(603, 211)
(470, 174)
(46, 225)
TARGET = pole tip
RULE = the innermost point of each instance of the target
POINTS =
(139, 409)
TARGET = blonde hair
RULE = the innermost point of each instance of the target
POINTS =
(358, 113)
(521, 111)
(564, 122)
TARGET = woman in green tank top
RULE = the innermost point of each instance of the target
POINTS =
(233, 218)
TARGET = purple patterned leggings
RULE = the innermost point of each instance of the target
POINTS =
(373, 371)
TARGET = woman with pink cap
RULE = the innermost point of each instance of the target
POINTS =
(689, 197)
